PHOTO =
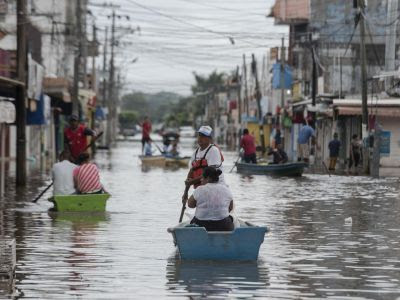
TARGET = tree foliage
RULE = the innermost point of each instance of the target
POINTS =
(171, 108)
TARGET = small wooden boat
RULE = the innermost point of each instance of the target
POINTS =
(288, 169)
(83, 202)
(177, 161)
(155, 160)
(195, 243)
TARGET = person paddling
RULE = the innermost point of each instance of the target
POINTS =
(213, 202)
(206, 155)
(75, 137)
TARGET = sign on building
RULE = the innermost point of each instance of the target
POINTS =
(385, 143)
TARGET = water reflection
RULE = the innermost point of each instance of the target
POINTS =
(206, 279)
(310, 251)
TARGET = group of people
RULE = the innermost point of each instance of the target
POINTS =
(170, 145)
(75, 173)
(247, 143)
(212, 198)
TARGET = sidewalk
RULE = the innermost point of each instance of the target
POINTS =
(7, 264)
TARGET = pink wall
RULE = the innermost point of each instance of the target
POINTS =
(286, 10)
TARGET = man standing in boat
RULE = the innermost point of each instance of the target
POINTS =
(248, 144)
(75, 137)
(146, 130)
(206, 155)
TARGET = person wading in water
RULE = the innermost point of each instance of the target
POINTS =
(206, 155)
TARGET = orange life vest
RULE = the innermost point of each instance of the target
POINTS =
(198, 165)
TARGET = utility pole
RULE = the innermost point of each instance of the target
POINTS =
(21, 91)
(258, 97)
(84, 44)
(105, 69)
(390, 48)
(111, 94)
(282, 81)
(246, 95)
(364, 95)
(94, 29)
(239, 90)
(77, 60)
(282, 84)
(314, 84)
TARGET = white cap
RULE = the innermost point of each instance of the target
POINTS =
(205, 130)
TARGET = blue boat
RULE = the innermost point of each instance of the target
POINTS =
(288, 169)
(195, 243)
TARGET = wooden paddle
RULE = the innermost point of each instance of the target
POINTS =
(184, 203)
(234, 165)
(327, 170)
(51, 184)
(159, 149)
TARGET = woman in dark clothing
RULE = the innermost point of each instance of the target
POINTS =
(213, 202)
(355, 152)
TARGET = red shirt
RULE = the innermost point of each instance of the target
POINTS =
(146, 129)
(87, 178)
(248, 144)
(76, 139)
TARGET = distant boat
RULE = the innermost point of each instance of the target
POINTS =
(288, 169)
(195, 243)
(81, 202)
(153, 160)
(165, 161)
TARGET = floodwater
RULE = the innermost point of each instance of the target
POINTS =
(330, 237)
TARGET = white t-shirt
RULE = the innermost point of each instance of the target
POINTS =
(212, 201)
(63, 178)
(213, 158)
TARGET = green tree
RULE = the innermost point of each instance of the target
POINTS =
(128, 119)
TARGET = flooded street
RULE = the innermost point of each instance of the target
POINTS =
(330, 237)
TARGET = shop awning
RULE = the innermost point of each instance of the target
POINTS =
(380, 111)
(8, 85)
(57, 87)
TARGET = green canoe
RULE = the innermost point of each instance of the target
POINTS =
(89, 202)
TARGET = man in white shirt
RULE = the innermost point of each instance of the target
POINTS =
(206, 155)
(62, 173)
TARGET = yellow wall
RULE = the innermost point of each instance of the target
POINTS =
(254, 130)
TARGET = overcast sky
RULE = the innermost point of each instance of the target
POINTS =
(178, 37)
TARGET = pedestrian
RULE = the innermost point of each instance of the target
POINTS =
(247, 142)
(303, 150)
(334, 148)
(62, 173)
(75, 137)
(206, 155)
(278, 137)
(213, 202)
(279, 155)
(355, 152)
(87, 176)
(146, 130)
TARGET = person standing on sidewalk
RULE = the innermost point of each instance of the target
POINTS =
(334, 148)
(303, 150)
(355, 153)
(248, 144)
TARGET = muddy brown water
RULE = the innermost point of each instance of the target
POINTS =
(330, 237)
